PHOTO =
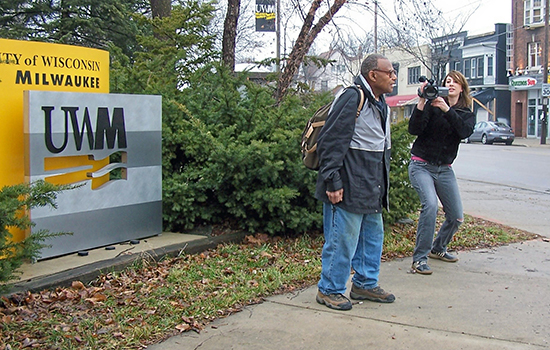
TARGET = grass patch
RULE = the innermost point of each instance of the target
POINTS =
(151, 301)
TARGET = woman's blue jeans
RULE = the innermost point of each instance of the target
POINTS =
(433, 182)
(351, 240)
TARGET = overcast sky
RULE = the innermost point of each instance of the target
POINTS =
(484, 18)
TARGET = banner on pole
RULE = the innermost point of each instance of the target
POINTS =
(265, 15)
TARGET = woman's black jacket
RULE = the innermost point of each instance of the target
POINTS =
(438, 133)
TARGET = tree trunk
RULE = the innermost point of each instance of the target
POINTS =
(302, 45)
(161, 8)
(230, 33)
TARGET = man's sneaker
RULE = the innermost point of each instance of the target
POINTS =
(421, 267)
(374, 294)
(443, 256)
(334, 301)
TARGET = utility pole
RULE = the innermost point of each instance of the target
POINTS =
(376, 26)
(278, 40)
(544, 126)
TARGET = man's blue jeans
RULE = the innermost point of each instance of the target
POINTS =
(351, 240)
(433, 182)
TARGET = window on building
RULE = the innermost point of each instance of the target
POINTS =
(473, 68)
(480, 67)
(490, 66)
(467, 68)
(534, 12)
(509, 46)
(535, 51)
(458, 66)
(324, 85)
(414, 74)
(338, 68)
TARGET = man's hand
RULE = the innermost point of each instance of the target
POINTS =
(336, 196)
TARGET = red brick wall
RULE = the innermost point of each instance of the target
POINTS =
(520, 59)
(523, 36)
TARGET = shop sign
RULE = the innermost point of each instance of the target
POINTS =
(522, 83)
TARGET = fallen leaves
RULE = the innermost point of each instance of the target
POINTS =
(146, 303)
(77, 285)
(189, 324)
(96, 298)
(141, 305)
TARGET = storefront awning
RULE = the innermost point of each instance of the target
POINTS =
(399, 100)
(484, 95)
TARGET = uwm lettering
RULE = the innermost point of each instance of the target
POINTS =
(26, 77)
(104, 128)
(265, 8)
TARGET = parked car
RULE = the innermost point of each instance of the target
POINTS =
(490, 132)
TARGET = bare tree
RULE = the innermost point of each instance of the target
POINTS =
(354, 49)
(230, 33)
(237, 29)
(351, 38)
(420, 23)
(304, 41)
(161, 8)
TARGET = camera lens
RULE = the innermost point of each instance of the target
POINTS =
(430, 92)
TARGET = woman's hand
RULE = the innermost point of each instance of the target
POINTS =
(440, 103)
(422, 101)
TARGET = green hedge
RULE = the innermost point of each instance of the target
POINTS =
(230, 156)
(15, 201)
(403, 197)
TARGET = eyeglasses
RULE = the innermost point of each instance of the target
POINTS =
(388, 72)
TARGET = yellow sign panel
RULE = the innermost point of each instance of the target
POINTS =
(28, 65)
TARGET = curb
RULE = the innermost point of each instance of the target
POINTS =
(90, 272)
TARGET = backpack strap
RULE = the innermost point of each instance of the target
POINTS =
(361, 100)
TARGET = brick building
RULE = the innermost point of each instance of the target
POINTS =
(526, 68)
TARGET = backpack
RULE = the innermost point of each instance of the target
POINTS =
(310, 158)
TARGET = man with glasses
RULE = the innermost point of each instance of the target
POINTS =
(353, 183)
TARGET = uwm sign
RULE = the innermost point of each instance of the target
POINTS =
(82, 127)
(33, 65)
(110, 145)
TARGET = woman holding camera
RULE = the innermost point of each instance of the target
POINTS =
(439, 123)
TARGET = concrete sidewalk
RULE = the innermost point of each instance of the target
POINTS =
(491, 299)
(531, 142)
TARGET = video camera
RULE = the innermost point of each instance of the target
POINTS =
(431, 90)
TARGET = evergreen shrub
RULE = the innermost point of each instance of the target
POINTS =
(14, 202)
(230, 156)
(403, 197)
